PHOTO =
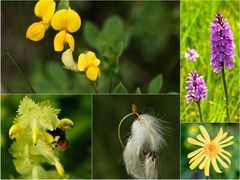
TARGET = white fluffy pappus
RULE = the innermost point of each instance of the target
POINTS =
(140, 152)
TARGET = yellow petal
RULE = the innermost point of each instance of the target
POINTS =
(195, 142)
(59, 41)
(73, 21)
(204, 133)
(225, 145)
(61, 38)
(225, 152)
(91, 57)
(226, 140)
(220, 137)
(191, 154)
(14, 131)
(195, 157)
(215, 166)
(225, 157)
(59, 167)
(207, 167)
(70, 40)
(35, 134)
(68, 61)
(45, 10)
(66, 19)
(202, 165)
(221, 162)
(82, 62)
(36, 31)
(200, 138)
(92, 72)
(197, 161)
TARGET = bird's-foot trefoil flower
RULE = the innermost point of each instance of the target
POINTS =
(191, 54)
(37, 131)
(196, 89)
(68, 60)
(88, 63)
(141, 151)
(44, 9)
(65, 21)
(210, 151)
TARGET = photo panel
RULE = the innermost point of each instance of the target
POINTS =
(136, 136)
(45, 137)
(210, 150)
(129, 47)
(209, 52)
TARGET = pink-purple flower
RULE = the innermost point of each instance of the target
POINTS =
(222, 44)
(196, 88)
(191, 54)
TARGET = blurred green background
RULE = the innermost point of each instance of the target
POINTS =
(107, 152)
(142, 36)
(196, 17)
(77, 158)
(192, 130)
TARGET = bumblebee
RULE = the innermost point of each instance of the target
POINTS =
(59, 138)
(58, 134)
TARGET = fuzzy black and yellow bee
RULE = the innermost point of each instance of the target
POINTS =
(58, 136)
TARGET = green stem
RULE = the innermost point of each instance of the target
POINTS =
(94, 87)
(226, 94)
(199, 109)
(21, 73)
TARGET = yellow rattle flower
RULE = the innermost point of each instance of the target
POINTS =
(65, 21)
(44, 9)
(87, 62)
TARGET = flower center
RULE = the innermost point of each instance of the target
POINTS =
(211, 149)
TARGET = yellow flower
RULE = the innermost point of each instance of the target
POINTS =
(14, 131)
(44, 9)
(211, 151)
(65, 20)
(68, 61)
(87, 62)
(59, 167)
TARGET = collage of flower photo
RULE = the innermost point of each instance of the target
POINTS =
(114, 89)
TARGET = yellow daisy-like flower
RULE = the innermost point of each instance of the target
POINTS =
(44, 9)
(211, 151)
(88, 62)
(65, 21)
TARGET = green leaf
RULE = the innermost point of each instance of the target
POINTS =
(138, 91)
(113, 28)
(120, 88)
(155, 84)
(63, 4)
(91, 33)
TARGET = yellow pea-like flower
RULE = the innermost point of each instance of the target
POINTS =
(44, 9)
(68, 61)
(36, 31)
(88, 62)
(61, 38)
(65, 21)
(93, 72)
(85, 60)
